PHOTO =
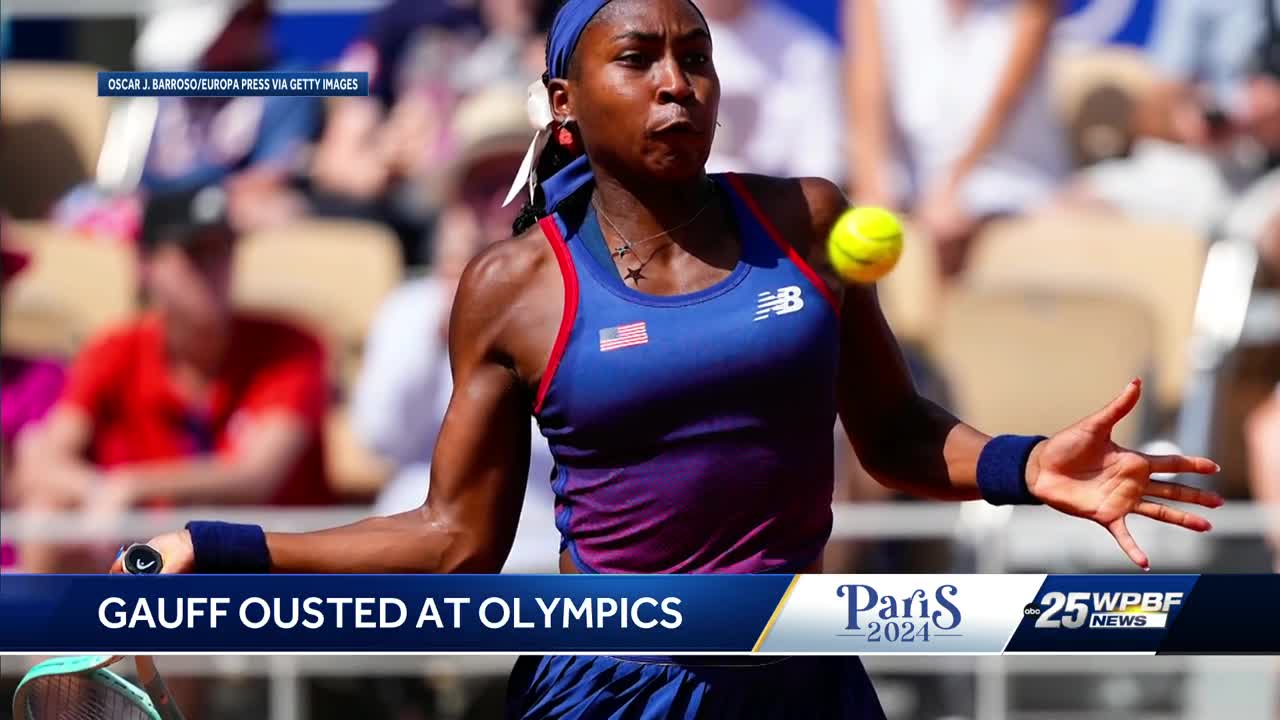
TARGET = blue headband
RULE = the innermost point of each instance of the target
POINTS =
(566, 30)
(572, 18)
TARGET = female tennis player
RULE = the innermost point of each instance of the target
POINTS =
(686, 350)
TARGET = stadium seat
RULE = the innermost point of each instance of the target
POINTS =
(1159, 265)
(1035, 362)
(52, 124)
(74, 288)
(909, 295)
(353, 470)
(1095, 93)
(36, 325)
(331, 274)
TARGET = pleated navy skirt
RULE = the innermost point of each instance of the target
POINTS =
(691, 688)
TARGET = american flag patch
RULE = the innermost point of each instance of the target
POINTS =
(622, 336)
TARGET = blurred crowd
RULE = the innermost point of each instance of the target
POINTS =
(952, 112)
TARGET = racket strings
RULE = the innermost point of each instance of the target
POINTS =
(78, 697)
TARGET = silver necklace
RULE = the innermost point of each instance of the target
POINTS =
(628, 247)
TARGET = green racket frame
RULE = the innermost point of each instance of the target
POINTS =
(91, 665)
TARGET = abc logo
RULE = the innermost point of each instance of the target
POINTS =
(1031, 610)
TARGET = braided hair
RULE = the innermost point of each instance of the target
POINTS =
(553, 159)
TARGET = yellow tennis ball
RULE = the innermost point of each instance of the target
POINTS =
(865, 244)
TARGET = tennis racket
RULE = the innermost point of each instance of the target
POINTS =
(82, 688)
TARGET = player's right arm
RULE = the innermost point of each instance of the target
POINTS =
(480, 466)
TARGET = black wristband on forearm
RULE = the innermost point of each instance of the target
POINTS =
(1002, 470)
(228, 548)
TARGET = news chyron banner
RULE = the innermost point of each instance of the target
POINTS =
(646, 615)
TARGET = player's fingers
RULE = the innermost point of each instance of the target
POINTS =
(1182, 464)
(1172, 516)
(1178, 492)
(117, 565)
(1114, 412)
(1120, 532)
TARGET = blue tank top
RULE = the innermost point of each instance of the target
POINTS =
(692, 433)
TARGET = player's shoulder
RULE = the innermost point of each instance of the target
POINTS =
(804, 209)
(505, 279)
(507, 268)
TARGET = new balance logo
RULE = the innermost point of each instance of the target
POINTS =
(782, 302)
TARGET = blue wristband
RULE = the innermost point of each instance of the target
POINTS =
(1002, 469)
(228, 548)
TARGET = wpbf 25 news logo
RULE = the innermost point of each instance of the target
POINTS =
(1104, 610)
(1101, 613)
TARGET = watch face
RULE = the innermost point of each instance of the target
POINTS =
(142, 560)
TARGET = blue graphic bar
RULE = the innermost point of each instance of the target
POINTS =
(233, 84)
(385, 613)
(1228, 615)
(646, 615)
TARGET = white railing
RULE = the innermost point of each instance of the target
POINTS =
(1002, 539)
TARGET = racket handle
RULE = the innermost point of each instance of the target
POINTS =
(142, 559)
(156, 689)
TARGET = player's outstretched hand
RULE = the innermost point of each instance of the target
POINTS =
(1081, 472)
(175, 548)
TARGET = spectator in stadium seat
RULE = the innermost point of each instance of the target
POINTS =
(780, 95)
(950, 112)
(1210, 132)
(1262, 436)
(378, 157)
(192, 403)
(405, 383)
(29, 385)
(256, 146)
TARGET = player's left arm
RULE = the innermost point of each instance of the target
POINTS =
(905, 441)
(909, 443)
(902, 439)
